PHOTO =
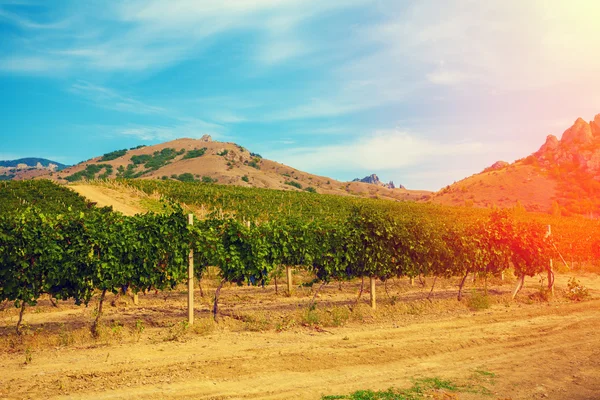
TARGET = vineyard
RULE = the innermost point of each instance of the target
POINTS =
(60, 253)
(53, 243)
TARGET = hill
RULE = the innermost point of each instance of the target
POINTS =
(210, 161)
(27, 168)
(562, 177)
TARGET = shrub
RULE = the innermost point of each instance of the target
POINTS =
(195, 153)
(245, 178)
(311, 189)
(90, 172)
(186, 177)
(254, 164)
(144, 158)
(113, 155)
(576, 291)
(478, 301)
(294, 184)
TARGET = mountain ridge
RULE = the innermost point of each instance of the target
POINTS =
(562, 177)
(27, 168)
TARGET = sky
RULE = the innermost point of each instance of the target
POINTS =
(421, 92)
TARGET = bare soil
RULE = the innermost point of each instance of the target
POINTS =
(270, 346)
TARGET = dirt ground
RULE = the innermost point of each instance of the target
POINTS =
(270, 346)
(105, 197)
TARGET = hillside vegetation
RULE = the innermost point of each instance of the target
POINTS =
(208, 161)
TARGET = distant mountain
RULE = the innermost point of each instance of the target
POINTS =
(32, 162)
(374, 180)
(27, 168)
(562, 177)
(208, 161)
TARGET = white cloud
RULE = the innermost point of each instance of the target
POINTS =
(445, 77)
(383, 150)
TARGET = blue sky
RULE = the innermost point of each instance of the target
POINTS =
(420, 92)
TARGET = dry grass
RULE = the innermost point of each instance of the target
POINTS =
(163, 316)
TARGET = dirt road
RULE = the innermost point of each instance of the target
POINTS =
(106, 197)
(514, 350)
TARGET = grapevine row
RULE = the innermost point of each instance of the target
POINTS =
(73, 255)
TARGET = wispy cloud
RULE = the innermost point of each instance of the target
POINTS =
(192, 128)
(110, 99)
(26, 23)
(33, 65)
(146, 35)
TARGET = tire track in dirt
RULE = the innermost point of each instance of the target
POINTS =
(540, 352)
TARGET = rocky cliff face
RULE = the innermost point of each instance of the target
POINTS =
(374, 180)
(579, 147)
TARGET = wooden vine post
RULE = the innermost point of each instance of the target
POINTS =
(373, 299)
(550, 271)
(191, 279)
(288, 272)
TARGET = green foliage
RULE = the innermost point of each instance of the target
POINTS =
(421, 389)
(43, 194)
(90, 172)
(311, 189)
(478, 301)
(70, 255)
(208, 179)
(223, 153)
(161, 158)
(141, 159)
(254, 164)
(294, 184)
(113, 155)
(245, 178)
(185, 177)
(150, 162)
(195, 153)
(255, 155)
(138, 147)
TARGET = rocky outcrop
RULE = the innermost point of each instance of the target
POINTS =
(579, 146)
(374, 180)
(550, 145)
(498, 165)
(579, 133)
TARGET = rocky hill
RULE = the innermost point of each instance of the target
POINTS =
(27, 168)
(562, 177)
(210, 161)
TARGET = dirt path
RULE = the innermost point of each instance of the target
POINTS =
(535, 351)
(105, 197)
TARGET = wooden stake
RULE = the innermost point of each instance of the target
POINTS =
(550, 271)
(136, 299)
(191, 279)
(519, 286)
(373, 298)
(288, 272)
